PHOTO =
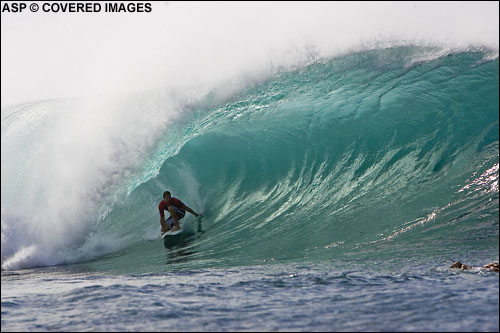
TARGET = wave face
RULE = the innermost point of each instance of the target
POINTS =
(386, 153)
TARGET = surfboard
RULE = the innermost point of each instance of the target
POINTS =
(171, 233)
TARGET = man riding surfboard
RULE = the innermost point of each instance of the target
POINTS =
(177, 210)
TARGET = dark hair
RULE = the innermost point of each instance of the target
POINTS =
(165, 194)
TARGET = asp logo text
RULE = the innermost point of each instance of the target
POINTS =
(13, 7)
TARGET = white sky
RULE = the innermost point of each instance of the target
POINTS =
(54, 55)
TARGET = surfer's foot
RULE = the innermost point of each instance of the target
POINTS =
(175, 228)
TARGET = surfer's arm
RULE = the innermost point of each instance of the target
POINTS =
(191, 211)
(163, 224)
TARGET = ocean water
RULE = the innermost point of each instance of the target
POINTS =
(335, 197)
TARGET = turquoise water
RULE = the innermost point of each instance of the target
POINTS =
(332, 194)
(365, 155)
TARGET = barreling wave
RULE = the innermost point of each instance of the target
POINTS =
(377, 153)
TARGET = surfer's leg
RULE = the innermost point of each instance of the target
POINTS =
(169, 222)
(180, 214)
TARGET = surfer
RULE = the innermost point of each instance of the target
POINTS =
(493, 266)
(177, 210)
